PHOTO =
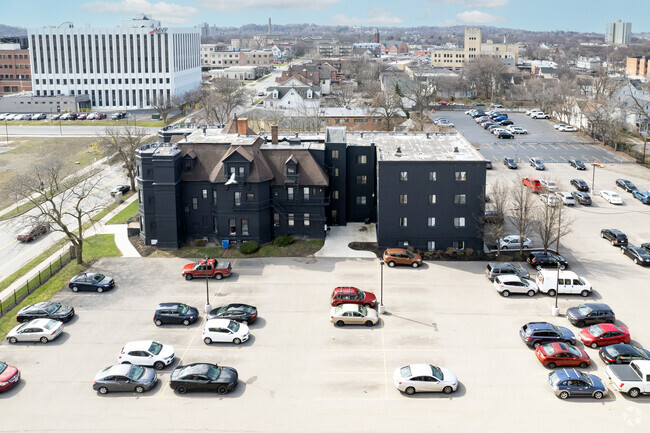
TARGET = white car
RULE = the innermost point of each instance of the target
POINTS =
(22, 117)
(567, 128)
(11, 116)
(533, 110)
(566, 197)
(548, 185)
(353, 314)
(39, 116)
(559, 125)
(539, 115)
(611, 197)
(424, 378)
(509, 283)
(147, 353)
(516, 129)
(43, 330)
(549, 199)
(225, 331)
(4, 115)
(513, 242)
(497, 131)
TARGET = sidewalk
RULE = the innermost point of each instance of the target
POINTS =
(338, 238)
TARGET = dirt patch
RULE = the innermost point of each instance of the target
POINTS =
(367, 246)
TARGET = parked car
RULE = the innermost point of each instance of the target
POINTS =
(147, 353)
(532, 183)
(56, 116)
(443, 103)
(578, 164)
(639, 255)
(539, 115)
(536, 163)
(492, 216)
(614, 236)
(646, 246)
(496, 269)
(562, 282)
(604, 334)
(402, 256)
(570, 382)
(353, 314)
(510, 163)
(239, 312)
(3, 116)
(215, 269)
(626, 185)
(567, 128)
(632, 379)
(581, 197)
(91, 282)
(43, 330)
(611, 197)
(22, 117)
(225, 331)
(514, 242)
(562, 355)
(590, 314)
(478, 113)
(99, 116)
(45, 310)
(642, 196)
(203, 377)
(39, 116)
(535, 334)
(352, 295)
(549, 199)
(517, 130)
(559, 125)
(175, 313)
(532, 110)
(548, 185)
(566, 198)
(488, 164)
(506, 122)
(546, 259)
(123, 189)
(424, 378)
(82, 116)
(509, 284)
(580, 185)
(504, 134)
(622, 354)
(9, 376)
(68, 116)
(32, 232)
(119, 115)
(125, 377)
(487, 124)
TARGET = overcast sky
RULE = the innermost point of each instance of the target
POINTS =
(574, 15)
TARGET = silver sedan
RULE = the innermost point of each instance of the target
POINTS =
(43, 330)
(125, 377)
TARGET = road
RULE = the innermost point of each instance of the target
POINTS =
(67, 129)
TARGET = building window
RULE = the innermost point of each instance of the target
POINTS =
(362, 180)
(403, 199)
(362, 159)
(290, 193)
(244, 227)
(233, 226)
(335, 194)
(305, 193)
(361, 199)
(432, 199)
(335, 216)
(276, 220)
(431, 245)
(459, 245)
(404, 176)
(403, 243)
(459, 222)
(433, 176)
(336, 172)
(460, 199)
(205, 194)
(214, 197)
(335, 154)
(460, 176)
(250, 196)
(195, 203)
(431, 221)
(240, 171)
(403, 222)
(237, 198)
(306, 220)
(291, 220)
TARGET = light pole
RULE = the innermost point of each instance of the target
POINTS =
(208, 307)
(593, 176)
(6, 132)
(556, 310)
(382, 309)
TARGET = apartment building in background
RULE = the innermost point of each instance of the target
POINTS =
(131, 66)
(474, 48)
(638, 67)
(618, 33)
(15, 70)
(221, 56)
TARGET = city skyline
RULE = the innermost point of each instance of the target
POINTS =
(515, 14)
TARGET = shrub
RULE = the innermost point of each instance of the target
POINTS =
(249, 247)
(469, 252)
(200, 242)
(283, 241)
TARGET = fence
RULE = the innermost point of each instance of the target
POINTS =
(31, 285)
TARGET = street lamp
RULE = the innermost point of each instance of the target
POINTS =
(208, 307)
(382, 309)
(556, 310)
(6, 132)
(593, 176)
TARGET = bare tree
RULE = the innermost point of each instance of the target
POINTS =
(59, 199)
(123, 142)
(163, 106)
(421, 93)
(494, 228)
(641, 111)
(345, 95)
(388, 105)
(484, 74)
(222, 99)
(523, 202)
(551, 224)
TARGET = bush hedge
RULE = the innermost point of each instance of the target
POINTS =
(249, 247)
(283, 241)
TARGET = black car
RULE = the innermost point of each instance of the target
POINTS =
(537, 333)
(510, 163)
(486, 125)
(175, 313)
(646, 246)
(488, 164)
(590, 314)
(506, 122)
(622, 354)
(626, 185)
(119, 115)
(92, 282)
(581, 197)
(45, 310)
(541, 259)
(616, 237)
(580, 185)
(121, 189)
(536, 163)
(505, 134)
(203, 377)
(238, 312)
(577, 164)
(638, 254)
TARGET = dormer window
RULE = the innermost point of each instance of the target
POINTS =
(309, 94)
(291, 169)
(275, 94)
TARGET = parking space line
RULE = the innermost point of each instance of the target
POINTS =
(366, 350)
(383, 345)
(335, 373)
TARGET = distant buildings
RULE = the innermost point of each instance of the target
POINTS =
(618, 33)
(219, 56)
(15, 69)
(638, 67)
(474, 48)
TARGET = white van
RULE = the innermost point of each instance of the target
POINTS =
(569, 283)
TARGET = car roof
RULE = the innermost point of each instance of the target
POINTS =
(138, 345)
(501, 264)
(616, 231)
(509, 277)
(40, 322)
(195, 368)
(539, 325)
(598, 306)
(420, 369)
(568, 373)
(625, 348)
(218, 322)
(346, 290)
(348, 307)
(120, 369)
(395, 250)
(168, 304)
(607, 327)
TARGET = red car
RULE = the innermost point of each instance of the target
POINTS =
(562, 355)
(443, 103)
(32, 232)
(352, 295)
(604, 334)
(532, 183)
(9, 377)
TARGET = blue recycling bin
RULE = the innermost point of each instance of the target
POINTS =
(225, 244)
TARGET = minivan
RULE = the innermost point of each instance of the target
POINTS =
(565, 282)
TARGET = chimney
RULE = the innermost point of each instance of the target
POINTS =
(242, 126)
(274, 134)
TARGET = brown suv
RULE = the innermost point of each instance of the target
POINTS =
(401, 256)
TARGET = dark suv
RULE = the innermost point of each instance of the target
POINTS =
(175, 313)
(537, 333)
(541, 259)
(590, 314)
(494, 269)
(616, 237)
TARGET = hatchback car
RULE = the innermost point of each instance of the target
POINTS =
(611, 197)
(119, 115)
(91, 282)
(580, 185)
(9, 376)
(504, 134)
(352, 295)
(549, 199)
(402, 256)
(537, 333)
(506, 122)
(536, 163)
(353, 314)
(488, 164)
(225, 331)
(43, 330)
(622, 354)
(45, 310)
(120, 189)
(125, 377)
(514, 242)
(590, 314)
(203, 377)
(508, 284)
(604, 334)
(495, 269)
(239, 312)
(562, 355)
(581, 197)
(424, 378)
(517, 130)
(546, 259)
(532, 183)
(566, 198)
(175, 313)
(510, 163)
(639, 255)
(614, 236)
(570, 382)
(626, 185)
(642, 196)
(147, 353)
(32, 232)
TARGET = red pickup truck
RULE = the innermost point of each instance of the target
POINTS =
(214, 269)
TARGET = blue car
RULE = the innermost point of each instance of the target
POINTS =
(570, 382)
(643, 196)
(537, 333)
(500, 118)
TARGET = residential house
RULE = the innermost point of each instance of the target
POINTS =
(293, 94)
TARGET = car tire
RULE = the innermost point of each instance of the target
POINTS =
(551, 292)
(505, 293)
(186, 322)
(139, 389)
(564, 395)
(415, 264)
(580, 324)
(100, 289)
(562, 267)
(391, 264)
(368, 323)
(188, 277)
(410, 390)
(75, 288)
(447, 390)
(598, 395)
(551, 365)
(237, 341)
(340, 323)
(613, 242)
(602, 235)
(538, 267)
(505, 247)
(594, 345)
(44, 340)
(536, 344)
(158, 322)
(181, 389)
(13, 340)
(103, 390)
(158, 365)
(583, 365)
(584, 293)
(222, 390)
(636, 261)
(634, 392)
(531, 293)
(207, 340)
(218, 276)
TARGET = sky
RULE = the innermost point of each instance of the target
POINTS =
(544, 15)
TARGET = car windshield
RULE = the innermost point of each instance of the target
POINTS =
(155, 348)
(98, 277)
(51, 324)
(584, 309)
(363, 310)
(233, 326)
(135, 372)
(574, 350)
(410, 254)
(596, 330)
(213, 373)
(405, 371)
(613, 195)
(549, 349)
(587, 379)
(183, 309)
(3, 366)
(26, 231)
(360, 294)
(557, 329)
(612, 350)
(642, 253)
(554, 378)
(52, 308)
(436, 372)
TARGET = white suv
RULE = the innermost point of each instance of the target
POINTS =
(148, 353)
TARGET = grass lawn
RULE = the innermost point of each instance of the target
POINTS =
(125, 214)
(95, 247)
(298, 248)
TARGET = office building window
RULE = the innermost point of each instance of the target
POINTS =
(432, 199)
(305, 193)
(404, 176)
(205, 194)
(433, 176)
(362, 180)
(233, 226)
(244, 227)
(459, 222)
(237, 198)
(431, 245)
(403, 243)
(291, 220)
(431, 221)
(361, 199)
(290, 193)
(460, 176)
(460, 199)
(403, 222)
(362, 159)
(403, 199)
(335, 154)
(306, 220)
(195, 203)
(335, 194)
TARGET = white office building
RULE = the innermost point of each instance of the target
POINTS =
(128, 67)
(618, 33)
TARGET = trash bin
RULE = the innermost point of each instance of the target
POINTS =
(225, 244)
